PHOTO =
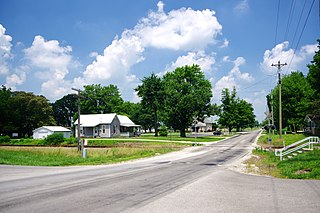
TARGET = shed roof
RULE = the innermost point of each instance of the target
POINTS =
(54, 128)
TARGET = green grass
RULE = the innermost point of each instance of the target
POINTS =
(62, 156)
(303, 166)
(176, 137)
(276, 142)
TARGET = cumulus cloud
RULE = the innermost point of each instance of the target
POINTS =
(282, 53)
(5, 50)
(234, 78)
(52, 62)
(204, 61)
(17, 78)
(183, 29)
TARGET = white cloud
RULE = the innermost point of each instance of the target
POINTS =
(183, 29)
(204, 61)
(93, 54)
(17, 78)
(242, 6)
(5, 50)
(234, 78)
(52, 62)
(116, 60)
(281, 53)
(225, 43)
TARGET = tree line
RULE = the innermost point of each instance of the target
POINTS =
(300, 96)
(175, 100)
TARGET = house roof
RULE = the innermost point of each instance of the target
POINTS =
(54, 128)
(92, 120)
(211, 119)
(125, 121)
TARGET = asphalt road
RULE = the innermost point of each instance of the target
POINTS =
(194, 180)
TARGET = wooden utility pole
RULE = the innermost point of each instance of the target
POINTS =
(279, 65)
(80, 144)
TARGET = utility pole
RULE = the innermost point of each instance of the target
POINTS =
(279, 65)
(272, 118)
(80, 144)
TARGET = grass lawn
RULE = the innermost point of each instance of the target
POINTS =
(176, 137)
(302, 166)
(64, 156)
(276, 142)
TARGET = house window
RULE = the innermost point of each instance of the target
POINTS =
(104, 129)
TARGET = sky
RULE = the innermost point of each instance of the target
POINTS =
(50, 46)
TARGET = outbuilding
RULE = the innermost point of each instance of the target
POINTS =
(44, 131)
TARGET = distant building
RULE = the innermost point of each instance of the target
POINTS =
(312, 124)
(44, 131)
(105, 125)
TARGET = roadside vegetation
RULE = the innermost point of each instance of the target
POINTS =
(69, 156)
(58, 151)
(303, 166)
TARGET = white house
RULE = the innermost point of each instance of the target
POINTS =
(104, 125)
(44, 131)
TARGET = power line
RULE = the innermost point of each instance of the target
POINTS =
(295, 33)
(292, 8)
(278, 11)
(304, 26)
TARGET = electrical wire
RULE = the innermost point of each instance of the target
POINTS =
(292, 9)
(278, 11)
(304, 26)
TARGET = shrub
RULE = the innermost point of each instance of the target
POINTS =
(71, 140)
(4, 139)
(163, 131)
(54, 139)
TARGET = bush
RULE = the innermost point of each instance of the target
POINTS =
(54, 139)
(71, 140)
(4, 139)
(163, 131)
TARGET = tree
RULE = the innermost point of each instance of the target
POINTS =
(296, 97)
(187, 95)
(229, 114)
(5, 95)
(100, 99)
(28, 112)
(236, 113)
(314, 72)
(152, 94)
(64, 109)
(246, 117)
(143, 117)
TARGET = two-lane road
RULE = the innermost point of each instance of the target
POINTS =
(193, 180)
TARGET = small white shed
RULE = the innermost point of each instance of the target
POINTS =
(44, 131)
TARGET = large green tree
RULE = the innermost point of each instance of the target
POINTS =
(64, 109)
(229, 115)
(28, 112)
(100, 99)
(236, 113)
(296, 97)
(5, 95)
(187, 96)
(314, 72)
(152, 97)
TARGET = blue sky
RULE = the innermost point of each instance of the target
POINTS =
(48, 47)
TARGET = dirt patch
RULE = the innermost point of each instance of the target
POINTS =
(302, 171)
